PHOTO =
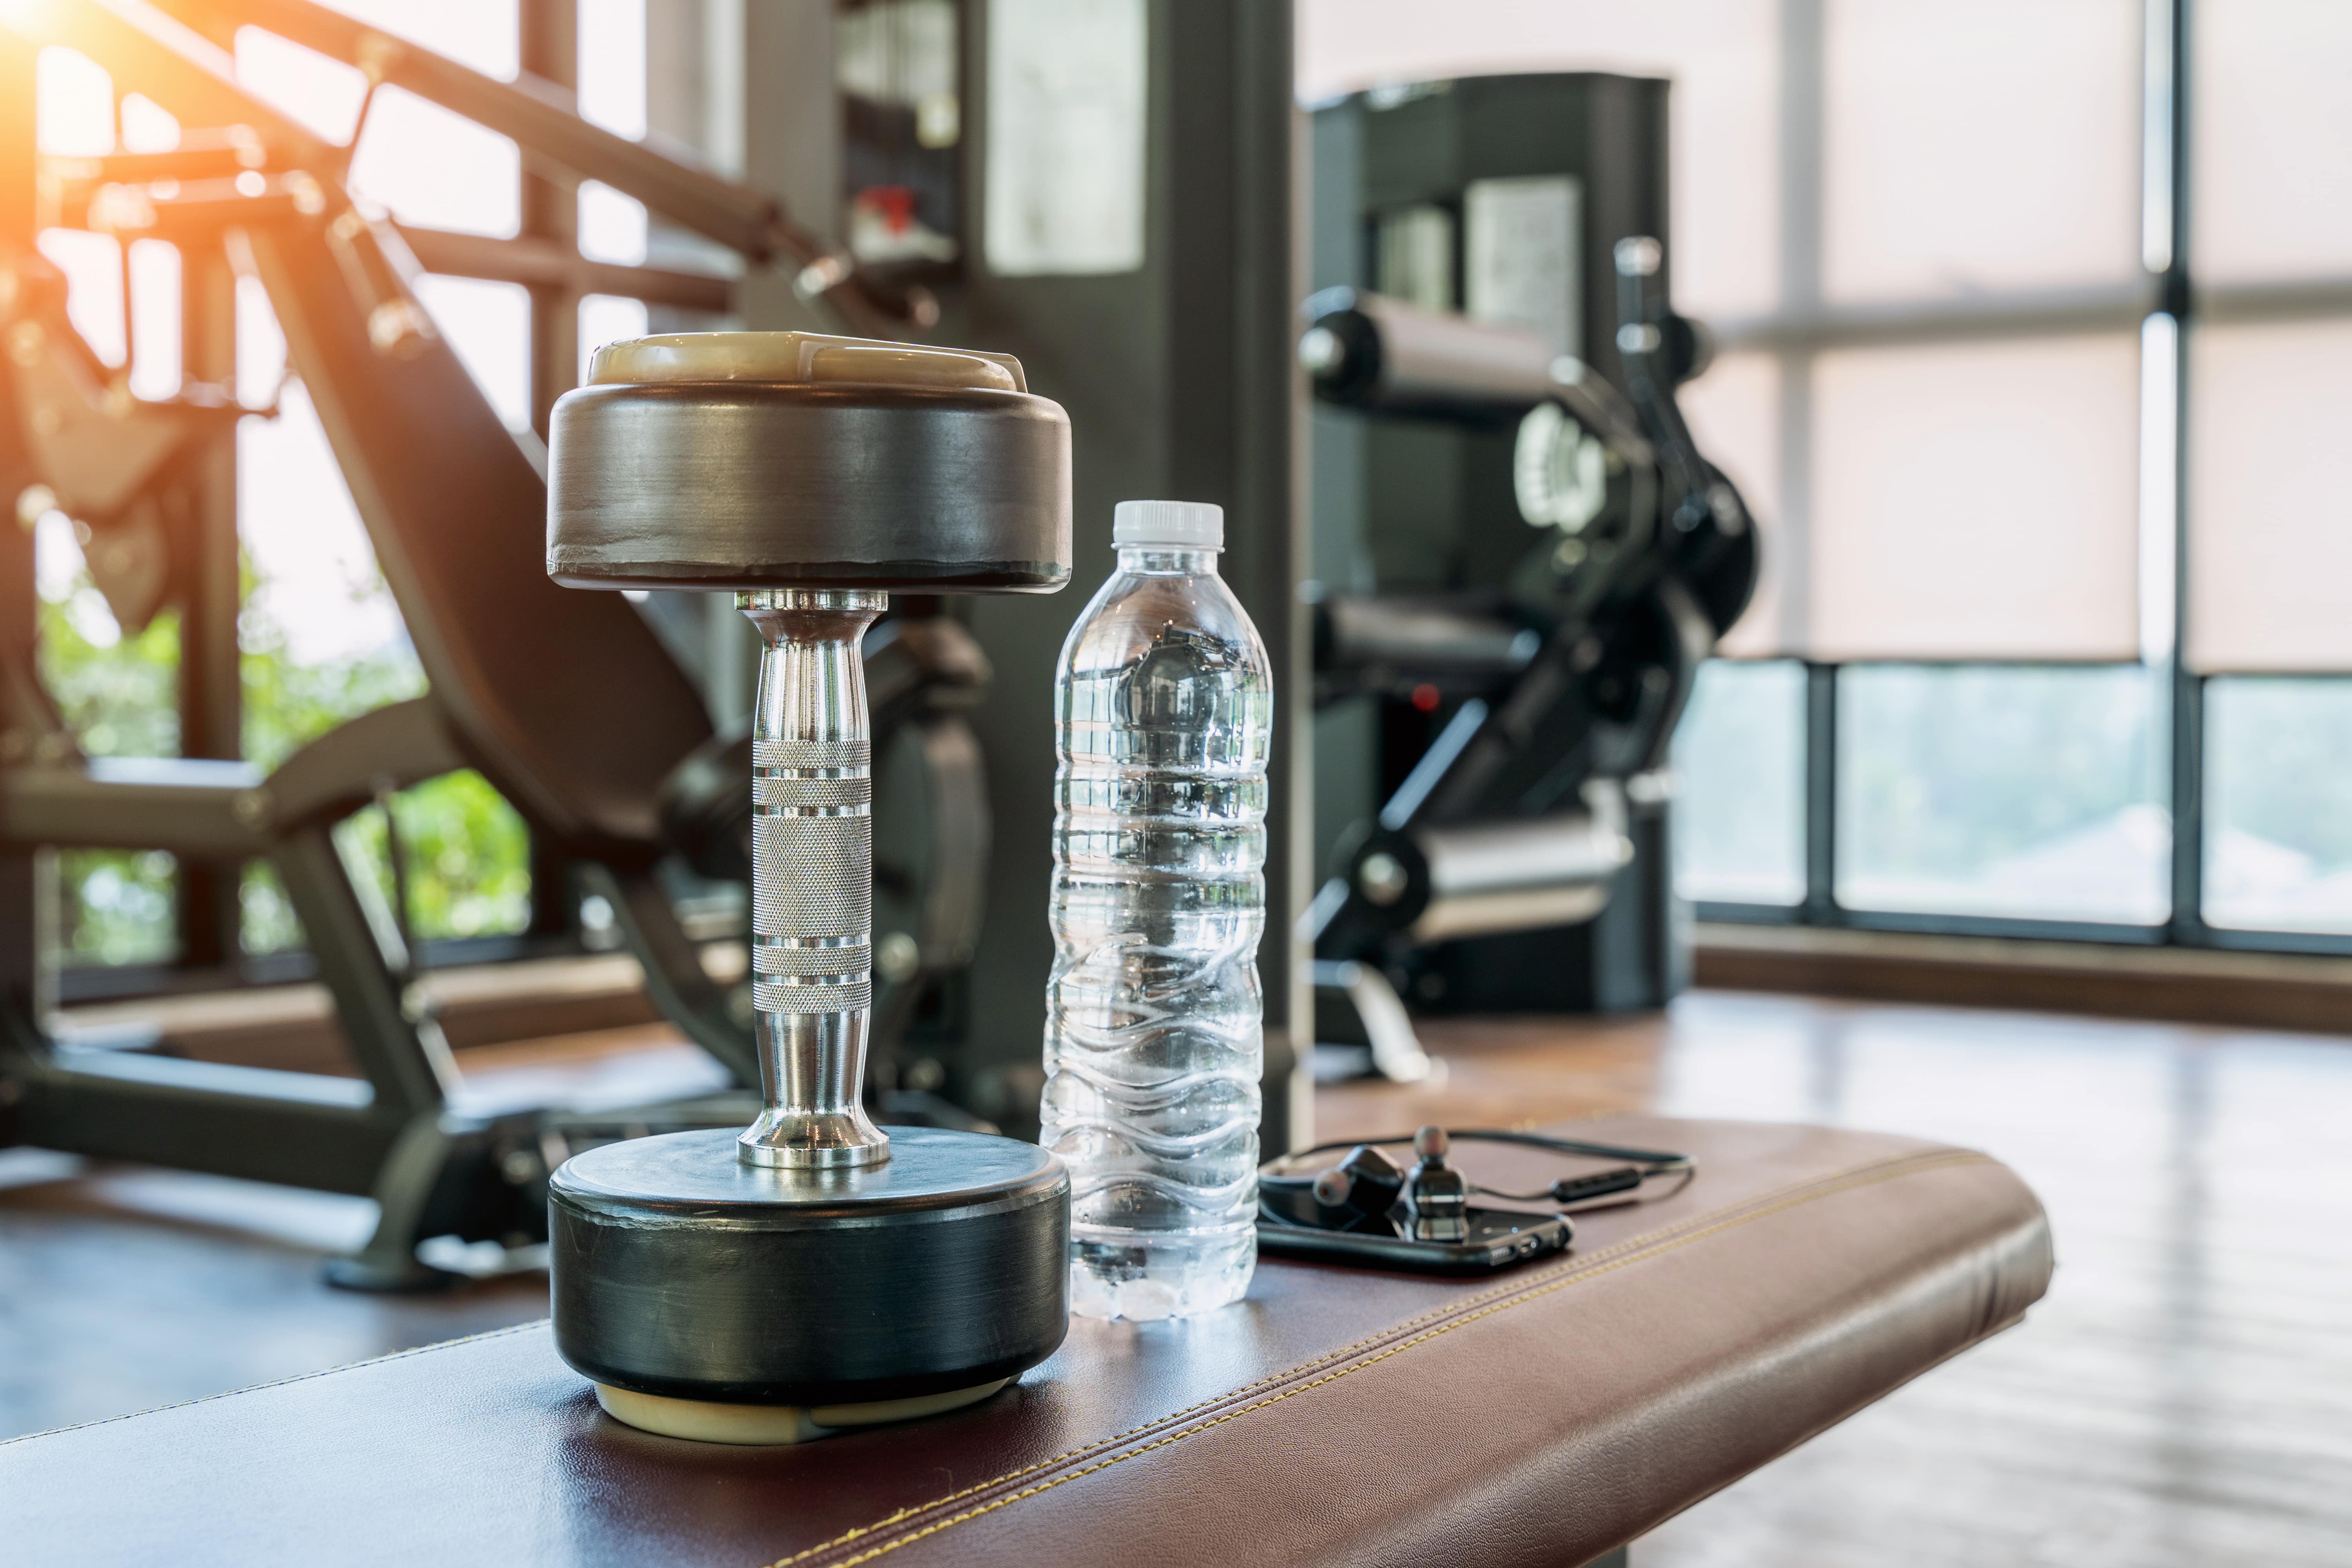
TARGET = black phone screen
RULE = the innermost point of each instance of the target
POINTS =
(1499, 1238)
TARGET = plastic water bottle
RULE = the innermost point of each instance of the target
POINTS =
(1154, 1021)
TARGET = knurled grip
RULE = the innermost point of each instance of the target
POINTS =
(772, 997)
(813, 877)
(855, 754)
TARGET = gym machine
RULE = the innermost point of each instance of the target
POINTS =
(1520, 574)
(524, 678)
(1181, 338)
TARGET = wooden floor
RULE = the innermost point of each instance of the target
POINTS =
(2184, 1396)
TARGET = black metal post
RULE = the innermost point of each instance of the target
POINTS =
(2188, 688)
(551, 210)
(211, 696)
(20, 934)
(1821, 793)
(1193, 349)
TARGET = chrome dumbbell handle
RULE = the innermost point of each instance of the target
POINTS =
(812, 878)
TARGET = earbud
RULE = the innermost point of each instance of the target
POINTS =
(1356, 1193)
(1430, 1200)
(1365, 1182)
(1367, 1192)
(1436, 1196)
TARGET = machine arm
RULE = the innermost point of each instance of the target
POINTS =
(1575, 672)
(542, 118)
(438, 478)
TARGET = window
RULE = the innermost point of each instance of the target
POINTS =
(2278, 804)
(1739, 827)
(2270, 495)
(2105, 543)
(1928, 192)
(2001, 790)
(1975, 501)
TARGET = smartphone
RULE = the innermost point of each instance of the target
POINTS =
(1499, 1238)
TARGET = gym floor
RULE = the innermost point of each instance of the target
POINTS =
(2183, 1396)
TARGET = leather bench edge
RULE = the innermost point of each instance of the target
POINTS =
(280, 1382)
(1809, 1434)
(906, 1526)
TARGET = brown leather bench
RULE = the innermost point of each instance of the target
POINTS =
(1545, 1415)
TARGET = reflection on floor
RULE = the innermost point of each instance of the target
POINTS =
(2183, 1396)
(123, 1288)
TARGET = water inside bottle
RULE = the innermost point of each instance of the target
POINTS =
(1154, 1034)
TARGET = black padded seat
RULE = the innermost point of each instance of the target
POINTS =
(566, 700)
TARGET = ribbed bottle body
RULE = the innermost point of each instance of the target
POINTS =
(1154, 1030)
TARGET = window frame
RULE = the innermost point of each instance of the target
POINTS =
(1805, 326)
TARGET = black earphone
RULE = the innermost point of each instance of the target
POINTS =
(1368, 1193)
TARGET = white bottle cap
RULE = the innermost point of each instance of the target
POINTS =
(1177, 524)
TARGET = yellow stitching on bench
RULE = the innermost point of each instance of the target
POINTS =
(1894, 1164)
(280, 1381)
(1735, 1220)
(1634, 1249)
(1577, 1265)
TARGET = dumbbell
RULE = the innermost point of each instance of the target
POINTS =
(814, 1270)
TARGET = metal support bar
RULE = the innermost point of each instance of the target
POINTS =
(551, 215)
(202, 75)
(406, 1058)
(211, 696)
(1821, 791)
(2112, 307)
(681, 989)
(408, 1181)
(540, 262)
(184, 804)
(550, 218)
(2187, 687)
(2108, 308)
(538, 112)
(1396, 1050)
(302, 1129)
(542, 115)
(21, 700)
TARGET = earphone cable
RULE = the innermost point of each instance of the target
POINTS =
(1644, 1164)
